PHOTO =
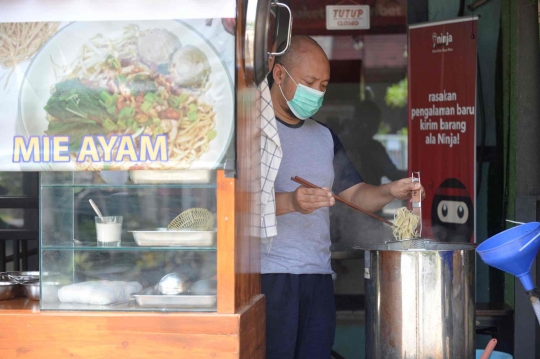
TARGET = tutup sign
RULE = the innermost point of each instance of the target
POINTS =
(347, 17)
(442, 116)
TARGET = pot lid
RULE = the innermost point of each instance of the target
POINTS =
(256, 52)
(422, 244)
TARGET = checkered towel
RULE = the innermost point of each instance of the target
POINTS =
(271, 155)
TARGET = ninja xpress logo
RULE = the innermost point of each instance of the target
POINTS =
(441, 39)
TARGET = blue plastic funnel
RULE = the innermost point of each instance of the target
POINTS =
(513, 251)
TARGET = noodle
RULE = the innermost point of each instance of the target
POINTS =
(19, 41)
(405, 223)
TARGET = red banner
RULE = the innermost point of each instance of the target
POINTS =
(442, 114)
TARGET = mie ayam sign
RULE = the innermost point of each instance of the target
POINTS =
(56, 149)
(347, 17)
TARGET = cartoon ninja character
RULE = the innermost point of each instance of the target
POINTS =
(452, 212)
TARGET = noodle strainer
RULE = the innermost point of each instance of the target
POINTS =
(417, 202)
(407, 244)
(417, 244)
(194, 219)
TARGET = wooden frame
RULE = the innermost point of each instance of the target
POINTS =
(32, 334)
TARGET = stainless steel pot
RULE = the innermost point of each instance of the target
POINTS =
(420, 301)
(20, 276)
(7, 290)
(17, 278)
(31, 290)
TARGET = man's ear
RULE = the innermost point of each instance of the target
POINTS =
(278, 74)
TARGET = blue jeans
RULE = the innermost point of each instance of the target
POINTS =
(300, 315)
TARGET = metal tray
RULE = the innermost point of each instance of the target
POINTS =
(163, 237)
(170, 176)
(15, 277)
(19, 276)
(177, 301)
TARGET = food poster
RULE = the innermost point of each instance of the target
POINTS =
(442, 125)
(117, 95)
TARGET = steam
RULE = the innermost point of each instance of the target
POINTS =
(351, 227)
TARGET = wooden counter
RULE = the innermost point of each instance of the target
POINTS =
(30, 333)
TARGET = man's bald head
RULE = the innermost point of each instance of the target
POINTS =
(300, 45)
(304, 64)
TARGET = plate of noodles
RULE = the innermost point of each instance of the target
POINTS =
(142, 78)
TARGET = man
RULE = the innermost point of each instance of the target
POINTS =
(295, 266)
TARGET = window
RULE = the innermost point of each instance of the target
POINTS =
(19, 245)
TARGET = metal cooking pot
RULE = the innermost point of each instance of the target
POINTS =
(7, 290)
(420, 300)
(31, 290)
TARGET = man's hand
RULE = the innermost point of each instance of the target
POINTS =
(373, 198)
(303, 200)
(306, 200)
(402, 189)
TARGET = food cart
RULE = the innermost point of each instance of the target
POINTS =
(147, 110)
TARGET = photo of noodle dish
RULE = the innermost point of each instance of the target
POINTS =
(20, 41)
(115, 87)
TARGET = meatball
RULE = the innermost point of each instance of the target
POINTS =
(189, 67)
(157, 46)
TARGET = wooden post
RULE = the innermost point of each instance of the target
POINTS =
(225, 244)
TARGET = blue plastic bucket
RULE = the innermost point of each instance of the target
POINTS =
(494, 355)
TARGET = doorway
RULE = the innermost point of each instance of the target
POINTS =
(366, 106)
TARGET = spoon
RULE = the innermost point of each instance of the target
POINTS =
(489, 349)
(96, 209)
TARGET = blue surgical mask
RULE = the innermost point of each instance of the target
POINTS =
(305, 102)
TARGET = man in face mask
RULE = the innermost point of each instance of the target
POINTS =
(295, 266)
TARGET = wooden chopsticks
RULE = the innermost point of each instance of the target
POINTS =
(308, 184)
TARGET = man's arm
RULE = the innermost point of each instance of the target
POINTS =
(373, 198)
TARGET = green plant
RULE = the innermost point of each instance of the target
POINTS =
(404, 131)
(397, 94)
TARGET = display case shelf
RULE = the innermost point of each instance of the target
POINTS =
(130, 186)
(130, 306)
(89, 246)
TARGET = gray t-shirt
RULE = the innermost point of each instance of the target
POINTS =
(311, 151)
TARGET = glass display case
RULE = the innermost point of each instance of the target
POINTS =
(120, 263)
